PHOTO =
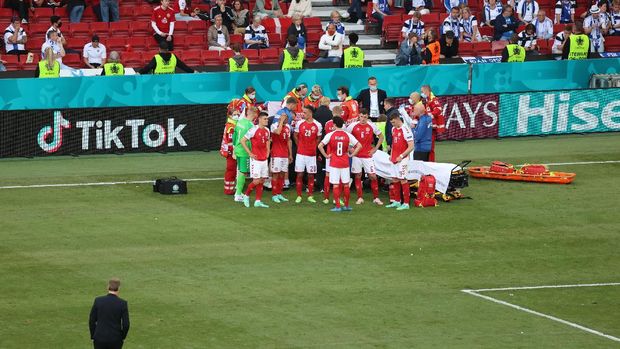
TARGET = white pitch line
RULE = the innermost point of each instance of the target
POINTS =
(92, 184)
(533, 312)
(544, 286)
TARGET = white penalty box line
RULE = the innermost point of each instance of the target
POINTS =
(477, 293)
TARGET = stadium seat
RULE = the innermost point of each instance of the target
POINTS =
(194, 41)
(482, 48)
(275, 40)
(197, 27)
(285, 22)
(120, 28)
(12, 62)
(211, 58)
(612, 44)
(127, 12)
(62, 13)
(224, 56)
(370, 20)
(313, 24)
(191, 57)
(180, 27)
(391, 30)
(29, 66)
(132, 59)
(432, 19)
(6, 12)
(269, 24)
(115, 44)
(79, 30)
(143, 13)
(313, 38)
(89, 15)
(236, 39)
(141, 28)
(466, 49)
(73, 60)
(558, 28)
(99, 28)
(544, 46)
(42, 15)
(270, 56)
(251, 55)
(486, 31)
(137, 43)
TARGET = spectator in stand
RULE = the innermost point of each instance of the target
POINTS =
(292, 58)
(513, 52)
(94, 53)
(505, 25)
(185, 13)
(330, 45)
(565, 11)
(268, 8)
(602, 6)
(595, 26)
(543, 25)
(217, 36)
(76, 10)
(298, 29)
(432, 51)
(577, 46)
(55, 43)
(380, 9)
(335, 20)
(453, 23)
(45, 3)
(469, 22)
(19, 6)
(109, 10)
(372, 98)
(198, 14)
(527, 10)
(56, 24)
(560, 39)
(48, 67)
(413, 25)
(96, 5)
(527, 40)
(301, 8)
(452, 4)
(15, 38)
(410, 51)
(113, 66)
(162, 22)
(228, 17)
(449, 46)
(238, 62)
(256, 35)
(241, 17)
(614, 28)
(165, 62)
(352, 56)
(492, 9)
(417, 6)
(356, 13)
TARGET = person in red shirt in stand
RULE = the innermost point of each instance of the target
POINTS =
(329, 127)
(226, 150)
(281, 157)
(434, 108)
(340, 141)
(307, 134)
(365, 132)
(298, 93)
(162, 21)
(402, 145)
(349, 105)
(259, 169)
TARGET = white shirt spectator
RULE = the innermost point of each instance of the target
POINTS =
(564, 9)
(491, 13)
(468, 25)
(544, 29)
(328, 41)
(453, 24)
(55, 48)
(418, 3)
(8, 33)
(527, 10)
(52, 29)
(615, 21)
(596, 35)
(558, 43)
(410, 27)
(374, 104)
(526, 40)
(94, 54)
(258, 33)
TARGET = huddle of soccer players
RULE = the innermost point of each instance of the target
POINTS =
(264, 152)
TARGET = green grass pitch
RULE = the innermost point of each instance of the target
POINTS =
(200, 271)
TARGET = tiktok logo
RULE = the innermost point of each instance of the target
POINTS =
(50, 137)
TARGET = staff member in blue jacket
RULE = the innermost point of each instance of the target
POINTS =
(422, 135)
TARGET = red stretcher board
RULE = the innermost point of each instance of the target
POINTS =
(548, 177)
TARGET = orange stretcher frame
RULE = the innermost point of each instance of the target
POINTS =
(548, 177)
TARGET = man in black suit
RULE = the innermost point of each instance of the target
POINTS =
(109, 319)
(372, 98)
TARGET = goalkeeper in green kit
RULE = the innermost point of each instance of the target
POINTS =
(243, 158)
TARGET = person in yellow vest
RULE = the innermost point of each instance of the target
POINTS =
(238, 62)
(577, 45)
(49, 67)
(113, 66)
(292, 58)
(513, 52)
(353, 56)
(165, 62)
(432, 51)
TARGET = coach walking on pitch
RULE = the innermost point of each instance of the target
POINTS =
(109, 319)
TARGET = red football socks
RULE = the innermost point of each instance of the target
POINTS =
(259, 192)
(310, 184)
(299, 183)
(337, 194)
(251, 187)
(406, 193)
(347, 194)
(326, 186)
(358, 186)
(374, 185)
(397, 191)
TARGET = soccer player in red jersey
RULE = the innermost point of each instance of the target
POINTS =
(329, 127)
(402, 145)
(259, 170)
(365, 132)
(339, 141)
(281, 157)
(435, 109)
(349, 105)
(307, 134)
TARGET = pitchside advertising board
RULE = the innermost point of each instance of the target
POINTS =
(560, 112)
(111, 130)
